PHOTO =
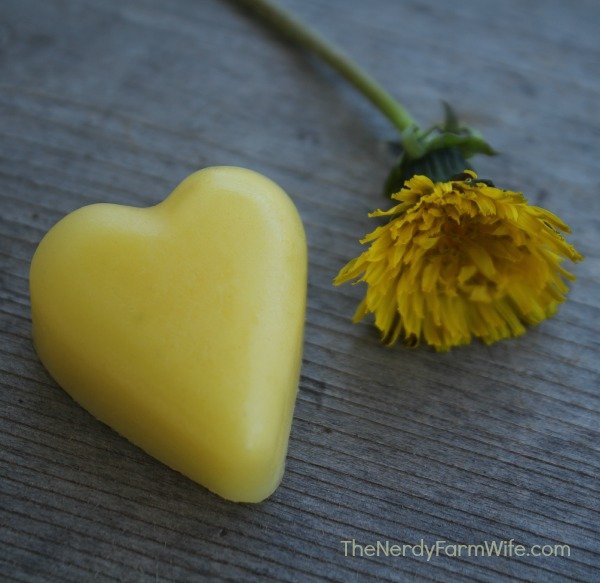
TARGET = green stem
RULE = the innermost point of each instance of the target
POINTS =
(301, 34)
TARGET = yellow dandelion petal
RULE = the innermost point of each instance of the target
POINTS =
(419, 185)
(460, 260)
(550, 218)
(481, 258)
(466, 272)
(361, 311)
(393, 211)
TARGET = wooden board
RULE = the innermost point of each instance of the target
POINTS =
(118, 100)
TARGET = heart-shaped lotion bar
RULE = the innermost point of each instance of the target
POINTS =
(181, 325)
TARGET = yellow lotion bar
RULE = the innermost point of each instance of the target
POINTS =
(181, 325)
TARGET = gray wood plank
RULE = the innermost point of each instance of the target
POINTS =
(117, 101)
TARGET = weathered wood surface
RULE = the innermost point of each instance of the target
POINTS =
(117, 100)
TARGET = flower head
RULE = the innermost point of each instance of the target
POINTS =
(460, 260)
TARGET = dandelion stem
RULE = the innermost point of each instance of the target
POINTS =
(309, 39)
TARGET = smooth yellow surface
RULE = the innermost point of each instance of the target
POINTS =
(181, 325)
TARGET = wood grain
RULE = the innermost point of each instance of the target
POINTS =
(119, 100)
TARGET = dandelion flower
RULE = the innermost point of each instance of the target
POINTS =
(460, 260)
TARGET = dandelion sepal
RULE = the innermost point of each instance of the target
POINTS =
(440, 152)
(440, 165)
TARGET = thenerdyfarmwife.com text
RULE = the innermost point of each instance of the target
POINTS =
(442, 548)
